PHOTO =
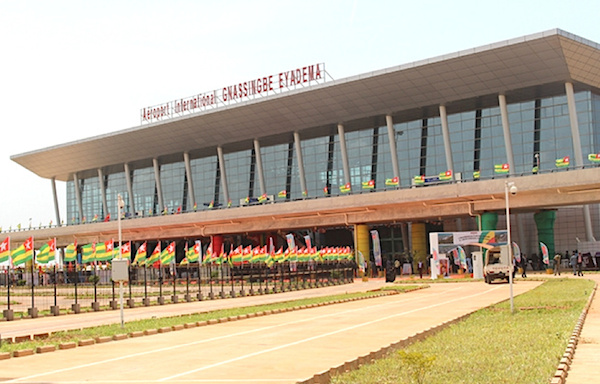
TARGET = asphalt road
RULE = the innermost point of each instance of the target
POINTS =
(279, 348)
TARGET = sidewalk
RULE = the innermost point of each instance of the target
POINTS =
(26, 327)
(585, 367)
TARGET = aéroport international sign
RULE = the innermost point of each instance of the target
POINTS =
(248, 90)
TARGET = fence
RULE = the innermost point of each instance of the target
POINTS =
(26, 293)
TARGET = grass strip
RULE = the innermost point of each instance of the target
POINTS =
(57, 338)
(492, 345)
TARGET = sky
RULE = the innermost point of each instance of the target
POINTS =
(71, 70)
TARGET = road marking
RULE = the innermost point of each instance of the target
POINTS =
(320, 336)
(262, 329)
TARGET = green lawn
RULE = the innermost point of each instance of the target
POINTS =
(492, 345)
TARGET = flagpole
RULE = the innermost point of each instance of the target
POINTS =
(32, 270)
(120, 204)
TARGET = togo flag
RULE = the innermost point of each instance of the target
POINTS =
(47, 252)
(23, 253)
(168, 254)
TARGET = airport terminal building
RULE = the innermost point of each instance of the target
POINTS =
(406, 150)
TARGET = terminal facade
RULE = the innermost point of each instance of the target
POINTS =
(522, 104)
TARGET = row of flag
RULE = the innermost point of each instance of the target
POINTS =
(106, 251)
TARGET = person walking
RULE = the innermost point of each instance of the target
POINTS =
(573, 262)
(420, 268)
(557, 264)
(524, 266)
(579, 264)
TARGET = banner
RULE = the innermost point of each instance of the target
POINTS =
(376, 247)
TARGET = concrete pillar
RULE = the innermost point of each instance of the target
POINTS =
(78, 196)
(190, 181)
(161, 204)
(393, 150)
(55, 197)
(446, 136)
(223, 171)
(344, 153)
(578, 155)
(506, 131)
(129, 187)
(102, 192)
(361, 243)
(259, 167)
(298, 146)
(217, 243)
(419, 241)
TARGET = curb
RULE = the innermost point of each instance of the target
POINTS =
(562, 370)
(178, 327)
(325, 376)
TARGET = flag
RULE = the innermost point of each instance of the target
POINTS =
(47, 252)
(212, 204)
(282, 194)
(544, 249)
(393, 182)
(562, 162)
(345, 188)
(195, 206)
(207, 259)
(71, 252)
(140, 255)
(104, 251)
(107, 218)
(155, 256)
(419, 179)
(23, 253)
(168, 254)
(325, 191)
(501, 168)
(262, 198)
(476, 175)
(88, 253)
(4, 250)
(594, 157)
(126, 250)
(516, 252)
(446, 175)
(368, 184)
(192, 254)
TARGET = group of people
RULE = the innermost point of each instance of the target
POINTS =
(575, 261)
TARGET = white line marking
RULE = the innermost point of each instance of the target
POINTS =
(318, 337)
(262, 329)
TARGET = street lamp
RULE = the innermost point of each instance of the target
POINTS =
(512, 188)
(121, 204)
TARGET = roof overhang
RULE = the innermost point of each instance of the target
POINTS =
(522, 69)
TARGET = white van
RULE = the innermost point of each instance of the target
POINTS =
(497, 264)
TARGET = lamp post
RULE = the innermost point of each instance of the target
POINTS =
(512, 188)
(121, 204)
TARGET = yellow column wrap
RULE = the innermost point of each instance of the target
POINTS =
(419, 241)
(361, 242)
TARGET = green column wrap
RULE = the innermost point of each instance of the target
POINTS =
(488, 221)
(544, 220)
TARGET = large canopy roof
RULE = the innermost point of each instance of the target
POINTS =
(524, 68)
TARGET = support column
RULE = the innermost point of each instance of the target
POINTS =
(446, 136)
(129, 187)
(223, 174)
(55, 196)
(298, 145)
(344, 152)
(190, 181)
(578, 155)
(506, 131)
(161, 204)
(362, 245)
(78, 196)
(419, 242)
(259, 167)
(393, 150)
(102, 192)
